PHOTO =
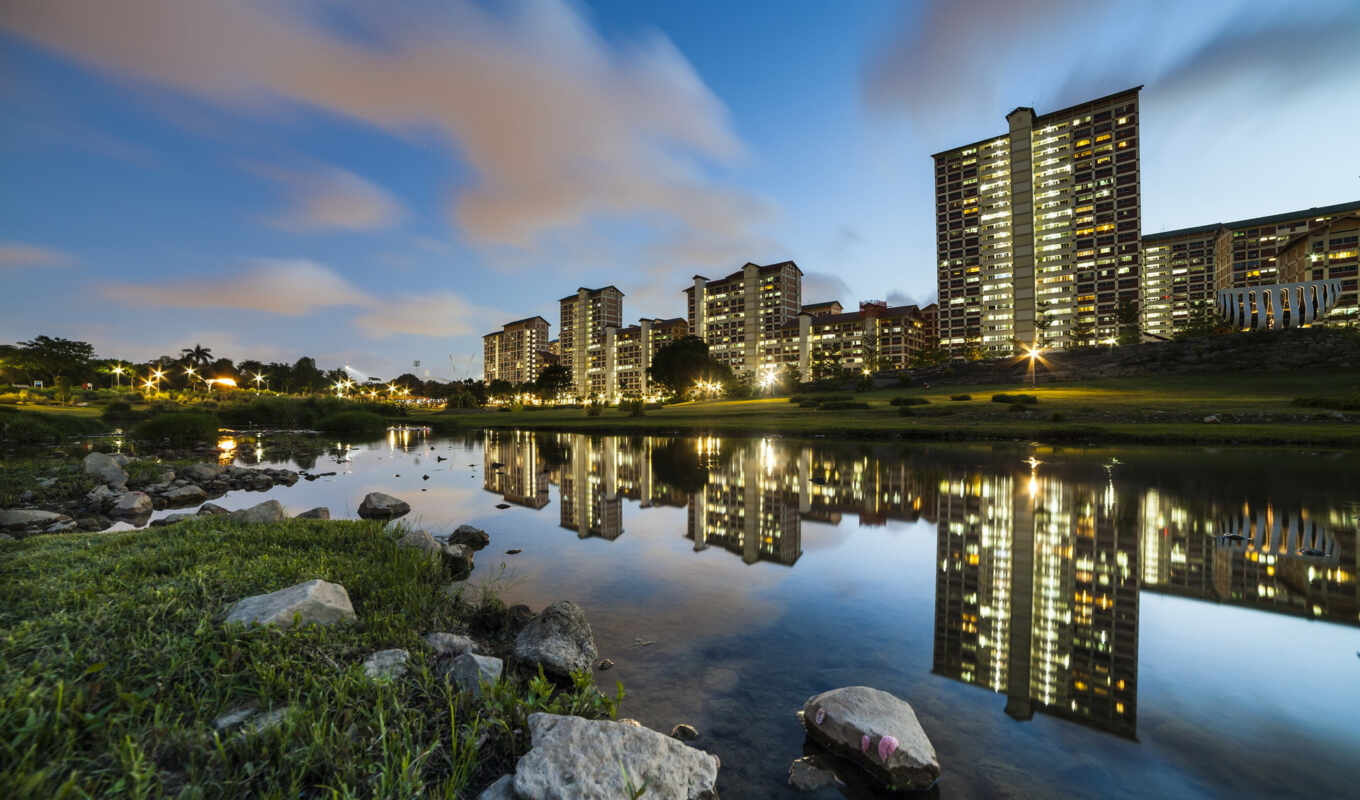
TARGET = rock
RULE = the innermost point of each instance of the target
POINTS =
(458, 557)
(559, 639)
(268, 511)
(605, 664)
(805, 775)
(469, 671)
(23, 519)
(449, 644)
(106, 470)
(876, 731)
(212, 510)
(121, 459)
(386, 665)
(519, 615)
(200, 473)
(422, 540)
(190, 495)
(377, 505)
(1212, 419)
(63, 526)
(502, 506)
(130, 505)
(233, 718)
(685, 733)
(583, 759)
(514, 551)
(476, 538)
(170, 519)
(100, 497)
(320, 512)
(266, 721)
(315, 601)
(502, 789)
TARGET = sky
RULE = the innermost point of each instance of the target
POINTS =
(376, 184)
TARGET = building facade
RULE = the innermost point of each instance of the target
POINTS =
(515, 352)
(630, 351)
(1178, 278)
(876, 338)
(742, 316)
(587, 317)
(1037, 229)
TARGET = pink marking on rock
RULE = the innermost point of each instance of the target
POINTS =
(821, 715)
(864, 743)
(886, 746)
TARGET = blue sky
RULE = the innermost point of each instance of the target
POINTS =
(374, 184)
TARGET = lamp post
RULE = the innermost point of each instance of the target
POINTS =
(118, 376)
(259, 376)
(1034, 352)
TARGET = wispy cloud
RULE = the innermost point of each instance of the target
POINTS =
(331, 198)
(560, 126)
(443, 314)
(291, 287)
(15, 255)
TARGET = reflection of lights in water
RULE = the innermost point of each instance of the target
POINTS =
(226, 450)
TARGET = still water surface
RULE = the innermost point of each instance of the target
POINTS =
(1078, 623)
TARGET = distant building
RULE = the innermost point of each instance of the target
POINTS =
(630, 351)
(1037, 229)
(586, 318)
(877, 337)
(514, 353)
(742, 315)
(1182, 269)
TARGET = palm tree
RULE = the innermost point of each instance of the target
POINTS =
(198, 355)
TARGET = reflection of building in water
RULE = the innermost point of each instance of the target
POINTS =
(512, 468)
(1037, 596)
(749, 506)
(1254, 556)
(832, 482)
(589, 490)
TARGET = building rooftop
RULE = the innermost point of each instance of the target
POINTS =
(590, 291)
(1324, 211)
(738, 273)
(1043, 117)
(1176, 234)
(527, 319)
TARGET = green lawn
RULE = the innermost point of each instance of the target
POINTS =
(1169, 410)
(114, 662)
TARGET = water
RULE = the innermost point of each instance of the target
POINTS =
(1075, 623)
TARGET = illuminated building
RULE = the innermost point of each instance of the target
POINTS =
(1328, 249)
(749, 507)
(1037, 229)
(586, 318)
(742, 315)
(1178, 278)
(589, 491)
(629, 353)
(511, 467)
(877, 337)
(515, 352)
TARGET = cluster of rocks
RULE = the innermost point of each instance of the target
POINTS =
(112, 500)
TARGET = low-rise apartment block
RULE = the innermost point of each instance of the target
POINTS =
(515, 352)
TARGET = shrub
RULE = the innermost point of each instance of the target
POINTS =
(634, 408)
(909, 401)
(353, 422)
(960, 397)
(178, 428)
(25, 429)
(842, 405)
(1028, 399)
(594, 410)
(119, 412)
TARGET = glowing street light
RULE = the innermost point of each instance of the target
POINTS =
(1034, 352)
(118, 375)
(259, 377)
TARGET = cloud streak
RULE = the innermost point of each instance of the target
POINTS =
(17, 255)
(330, 198)
(560, 126)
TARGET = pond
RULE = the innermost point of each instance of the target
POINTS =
(1076, 622)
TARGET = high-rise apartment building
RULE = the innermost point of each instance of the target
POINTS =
(630, 351)
(742, 315)
(586, 317)
(515, 352)
(1037, 229)
(1183, 269)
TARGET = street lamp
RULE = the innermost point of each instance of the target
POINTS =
(259, 376)
(1033, 351)
(118, 376)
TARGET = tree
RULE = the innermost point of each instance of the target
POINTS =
(49, 357)
(306, 377)
(680, 363)
(928, 357)
(1130, 324)
(501, 390)
(552, 382)
(196, 356)
(1202, 322)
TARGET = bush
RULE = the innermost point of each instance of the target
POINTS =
(353, 422)
(119, 412)
(594, 410)
(634, 408)
(842, 405)
(960, 397)
(179, 428)
(909, 401)
(25, 429)
(1027, 399)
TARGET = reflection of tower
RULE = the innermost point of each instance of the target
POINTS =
(512, 468)
(1037, 596)
(589, 490)
(747, 507)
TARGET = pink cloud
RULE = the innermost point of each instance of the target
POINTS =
(18, 254)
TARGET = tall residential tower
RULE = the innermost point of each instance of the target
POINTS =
(1037, 229)
(586, 316)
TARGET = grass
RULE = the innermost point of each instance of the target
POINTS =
(1253, 408)
(114, 662)
(19, 475)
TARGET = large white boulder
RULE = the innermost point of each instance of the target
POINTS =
(875, 730)
(559, 639)
(106, 469)
(314, 602)
(573, 758)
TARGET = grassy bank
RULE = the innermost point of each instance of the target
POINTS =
(114, 662)
(1257, 409)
